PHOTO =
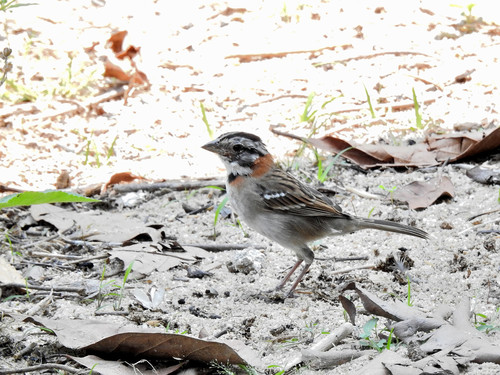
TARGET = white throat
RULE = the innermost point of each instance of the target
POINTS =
(236, 169)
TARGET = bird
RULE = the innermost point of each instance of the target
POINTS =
(282, 208)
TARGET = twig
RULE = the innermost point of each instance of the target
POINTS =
(346, 259)
(26, 350)
(224, 247)
(320, 360)
(364, 194)
(325, 344)
(41, 287)
(328, 66)
(484, 213)
(53, 237)
(45, 366)
(42, 254)
(6, 189)
(120, 313)
(81, 260)
(42, 304)
(478, 226)
(426, 81)
(347, 270)
(264, 56)
(172, 185)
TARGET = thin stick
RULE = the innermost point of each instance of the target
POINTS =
(347, 270)
(172, 185)
(46, 288)
(327, 342)
(103, 256)
(25, 246)
(223, 247)
(478, 226)
(45, 366)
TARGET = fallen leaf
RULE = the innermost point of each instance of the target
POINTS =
(460, 146)
(110, 340)
(484, 175)
(116, 41)
(421, 194)
(63, 180)
(121, 178)
(433, 151)
(349, 307)
(8, 274)
(163, 346)
(130, 52)
(114, 71)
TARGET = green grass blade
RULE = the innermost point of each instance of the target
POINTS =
(204, 119)
(372, 111)
(418, 116)
(111, 148)
(219, 208)
(307, 116)
(29, 198)
(324, 175)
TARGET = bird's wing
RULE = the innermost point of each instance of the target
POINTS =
(283, 192)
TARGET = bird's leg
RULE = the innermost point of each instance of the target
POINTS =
(283, 282)
(302, 273)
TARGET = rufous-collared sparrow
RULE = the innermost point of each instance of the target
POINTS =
(280, 207)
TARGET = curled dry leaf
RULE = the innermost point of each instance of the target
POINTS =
(421, 194)
(121, 178)
(113, 341)
(116, 41)
(114, 71)
(484, 175)
(162, 346)
(130, 52)
(433, 151)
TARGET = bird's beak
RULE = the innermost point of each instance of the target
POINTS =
(212, 146)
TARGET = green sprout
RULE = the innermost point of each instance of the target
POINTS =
(416, 106)
(372, 111)
(391, 191)
(204, 119)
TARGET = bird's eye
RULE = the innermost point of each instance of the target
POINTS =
(237, 148)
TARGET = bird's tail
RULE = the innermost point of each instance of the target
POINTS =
(390, 226)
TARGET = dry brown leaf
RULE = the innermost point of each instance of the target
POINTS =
(138, 78)
(435, 150)
(163, 346)
(484, 175)
(130, 52)
(461, 146)
(63, 180)
(121, 178)
(110, 340)
(421, 194)
(349, 308)
(116, 41)
(114, 71)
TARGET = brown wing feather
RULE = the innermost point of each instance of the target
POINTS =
(283, 192)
